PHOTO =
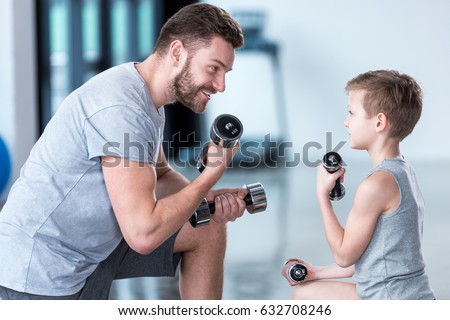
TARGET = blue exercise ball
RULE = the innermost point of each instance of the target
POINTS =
(5, 166)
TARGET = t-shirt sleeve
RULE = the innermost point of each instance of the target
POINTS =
(122, 131)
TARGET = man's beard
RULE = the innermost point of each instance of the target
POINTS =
(186, 92)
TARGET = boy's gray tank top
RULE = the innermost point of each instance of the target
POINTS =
(392, 266)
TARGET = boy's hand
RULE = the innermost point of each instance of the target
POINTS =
(326, 181)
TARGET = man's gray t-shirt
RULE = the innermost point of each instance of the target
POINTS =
(58, 223)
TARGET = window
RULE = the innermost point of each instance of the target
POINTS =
(80, 38)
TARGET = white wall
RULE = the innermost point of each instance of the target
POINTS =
(18, 106)
(324, 44)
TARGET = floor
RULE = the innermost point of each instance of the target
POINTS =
(291, 226)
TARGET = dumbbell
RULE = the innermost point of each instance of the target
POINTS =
(332, 162)
(225, 131)
(255, 199)
(298, 272)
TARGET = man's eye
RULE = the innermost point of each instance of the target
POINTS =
(214, 68)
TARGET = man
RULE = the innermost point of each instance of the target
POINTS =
(97, 201)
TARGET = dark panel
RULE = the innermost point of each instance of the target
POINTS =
(183, 126)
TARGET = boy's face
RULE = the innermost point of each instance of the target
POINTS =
(360, 126)
(204, 75)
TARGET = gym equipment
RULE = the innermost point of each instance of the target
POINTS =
(226, 131)
(298, 272)
(332, 162)
(255, 199)
(5, 166)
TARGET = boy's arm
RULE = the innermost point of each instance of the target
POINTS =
(376, 195)
(332, 271)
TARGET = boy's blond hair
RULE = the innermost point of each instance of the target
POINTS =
(392, 93)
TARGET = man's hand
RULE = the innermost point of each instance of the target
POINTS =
(218, 159)
(229, 204)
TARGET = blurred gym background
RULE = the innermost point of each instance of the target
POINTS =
(286, 88)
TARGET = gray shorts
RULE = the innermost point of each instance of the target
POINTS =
(122, 263)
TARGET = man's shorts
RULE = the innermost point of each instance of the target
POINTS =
(122, 263)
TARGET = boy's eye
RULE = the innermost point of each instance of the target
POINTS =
(214, 68)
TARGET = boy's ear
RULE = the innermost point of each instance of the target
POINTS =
(382, 122)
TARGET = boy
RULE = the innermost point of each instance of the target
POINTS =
(380, 245)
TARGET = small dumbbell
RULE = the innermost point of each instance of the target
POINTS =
(225, 131)
(298, 272)
(255, 199)
(332, 162)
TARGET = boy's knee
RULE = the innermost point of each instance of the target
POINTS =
(302, 291)
(297, 293)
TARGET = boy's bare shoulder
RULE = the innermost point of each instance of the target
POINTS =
(380, 187)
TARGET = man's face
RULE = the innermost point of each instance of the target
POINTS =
(203, 74)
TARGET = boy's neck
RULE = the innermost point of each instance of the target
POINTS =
(386, 151)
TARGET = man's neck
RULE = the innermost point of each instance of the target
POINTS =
(157, 76)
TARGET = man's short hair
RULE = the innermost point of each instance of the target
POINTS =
(196, 25)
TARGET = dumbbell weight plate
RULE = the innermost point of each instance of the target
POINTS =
(298, 272)
(202, 216)
(256, 197)
(332, 161)
(226, 131)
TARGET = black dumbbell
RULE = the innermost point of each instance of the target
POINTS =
(332, 162)
(225, 131)
(298, 272)
(255, 199)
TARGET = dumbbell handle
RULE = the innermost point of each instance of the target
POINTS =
(332, 162)
(255, 199)
(337, 190)
(212, 205)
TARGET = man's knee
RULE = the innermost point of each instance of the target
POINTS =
(218, 231)
(213, 235)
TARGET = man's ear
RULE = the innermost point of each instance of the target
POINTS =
(381, 122)
(176, 51)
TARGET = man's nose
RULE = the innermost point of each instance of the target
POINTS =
(219, 83)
